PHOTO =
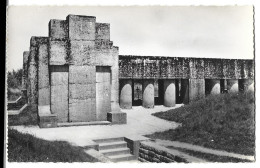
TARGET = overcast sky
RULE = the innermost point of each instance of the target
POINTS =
(212, 32)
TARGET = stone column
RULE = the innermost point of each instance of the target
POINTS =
(232, 85)
(126, 93)
(248, 85)
(32, 78)
(169, 93)
(25, 74)
(214, 85)
(43, 74)
(148, 93)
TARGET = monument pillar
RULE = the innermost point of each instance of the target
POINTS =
(125, 93)
(148, 93)
(214, 85)
(232, 85)
(169, 93)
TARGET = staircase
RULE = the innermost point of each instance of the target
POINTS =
(115, 149)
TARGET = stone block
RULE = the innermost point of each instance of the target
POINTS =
(103, 31)
(81, 27)
(36, 40)
(46, 119)
(82, 52)
(58, 28)
(82, 74)
(82, 93)
(59, 95)
(117, 117)
(104, 57)
(82, 110)
(58, 51)
(133, 143)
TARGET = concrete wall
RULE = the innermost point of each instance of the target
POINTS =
(138, 67)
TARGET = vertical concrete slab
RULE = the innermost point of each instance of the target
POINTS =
(103, 92)
(160, 91)
(126, 93)
(43, 76)
(82, 91)
(214, 85)
(115, 81)
(59, 92)
(232, 85)
(185, 91)
(33, 78)
(169, 93)
(25, 69)
(148, 93)
(196, 89)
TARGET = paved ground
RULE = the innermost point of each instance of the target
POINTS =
(167, 143)
(139, 122)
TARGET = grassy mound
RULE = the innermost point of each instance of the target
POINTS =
(224, 122)
(27, 148)
(26, 117)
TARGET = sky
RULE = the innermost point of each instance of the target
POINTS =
(176, 31)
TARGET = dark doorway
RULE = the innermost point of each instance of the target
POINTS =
(137, 92)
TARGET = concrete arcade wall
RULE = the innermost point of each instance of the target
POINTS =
(195, 70)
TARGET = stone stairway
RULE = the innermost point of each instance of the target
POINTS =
(115, 149)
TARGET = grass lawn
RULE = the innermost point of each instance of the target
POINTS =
(223, 122)
(27, 148)
(26, 117)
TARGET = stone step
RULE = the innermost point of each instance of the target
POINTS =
(68, 124)
(106, 140)
(116, 151)
(112, 145)
(122, 157)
